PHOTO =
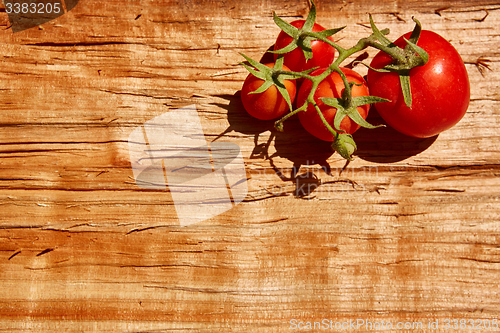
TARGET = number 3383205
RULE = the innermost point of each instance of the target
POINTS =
(33, 8)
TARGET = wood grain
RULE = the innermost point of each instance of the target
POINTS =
(409, 231)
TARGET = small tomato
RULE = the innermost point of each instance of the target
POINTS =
(323, 54)
(332, 86)
(269, 104)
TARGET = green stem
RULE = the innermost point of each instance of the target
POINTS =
(279, 123)
(322, 117)
(347, 94)
(361, 45)
(375, 40)
(334, 67)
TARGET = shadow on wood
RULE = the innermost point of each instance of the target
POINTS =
(385, 144)
(294, 144)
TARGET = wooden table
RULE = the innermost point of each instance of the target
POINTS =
(406, 233)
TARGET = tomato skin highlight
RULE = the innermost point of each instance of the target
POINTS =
(332, 86)
(440, 89)
(323, 54)
(268, 104)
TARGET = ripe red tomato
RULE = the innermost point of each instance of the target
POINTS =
(440, 89)
(332, 86)
(269, 104)
(323, 54)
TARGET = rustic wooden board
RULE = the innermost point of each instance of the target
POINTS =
(408, 232)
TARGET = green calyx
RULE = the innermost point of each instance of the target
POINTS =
(272, 76)
(349, 108)
(403, 59)
(303, 37)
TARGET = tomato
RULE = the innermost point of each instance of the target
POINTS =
(323, 54)
(269, 104)
(440, 89)
(332, 86)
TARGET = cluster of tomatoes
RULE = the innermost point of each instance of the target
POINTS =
(271, 104)
(439, 91)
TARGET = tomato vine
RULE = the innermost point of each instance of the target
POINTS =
(404, 59)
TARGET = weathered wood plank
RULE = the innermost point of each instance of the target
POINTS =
(409, 231)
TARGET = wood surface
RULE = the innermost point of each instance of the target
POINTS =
(407, 232)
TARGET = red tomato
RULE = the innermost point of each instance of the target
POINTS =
(440, 89)
(323, 54)
(268, 104)
(332, 86)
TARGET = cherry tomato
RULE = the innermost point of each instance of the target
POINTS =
(323, 54)
(332, 86)
(269, 104)
(440, 89)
